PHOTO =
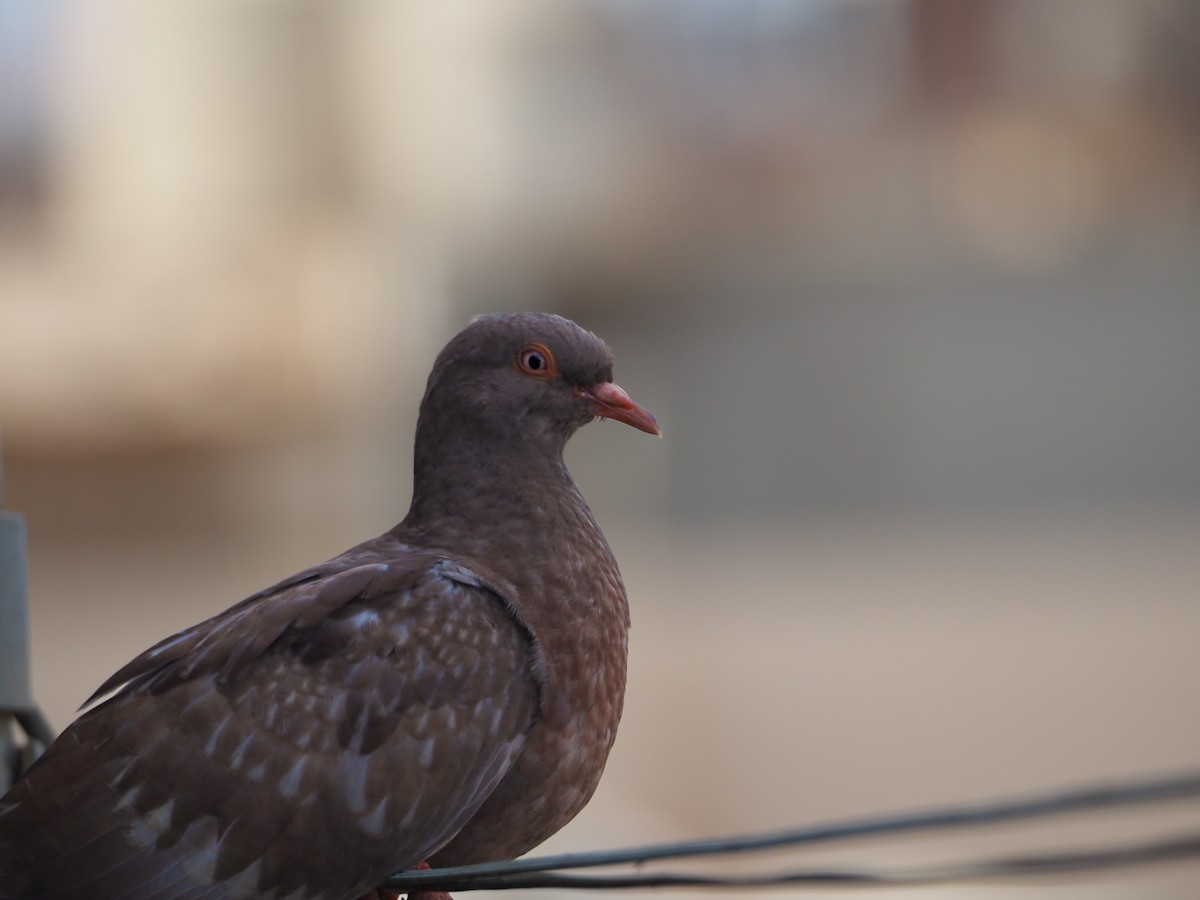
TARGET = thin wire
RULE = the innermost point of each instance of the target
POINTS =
(1187, 846)
(35, 725)
(532, 872)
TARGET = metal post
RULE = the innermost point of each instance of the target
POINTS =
(24, 732)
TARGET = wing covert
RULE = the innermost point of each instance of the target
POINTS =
(385, 707)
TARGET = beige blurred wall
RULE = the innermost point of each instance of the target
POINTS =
(913, 287)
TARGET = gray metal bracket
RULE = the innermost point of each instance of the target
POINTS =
(24, 731)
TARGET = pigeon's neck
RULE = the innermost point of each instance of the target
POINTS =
(519, 517)
(491, 495)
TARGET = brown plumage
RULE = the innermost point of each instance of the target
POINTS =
(447, 692)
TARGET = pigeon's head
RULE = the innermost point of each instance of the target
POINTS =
(522, 378)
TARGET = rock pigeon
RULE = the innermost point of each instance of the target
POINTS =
(445, 693)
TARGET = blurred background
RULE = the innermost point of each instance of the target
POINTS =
(914, 288)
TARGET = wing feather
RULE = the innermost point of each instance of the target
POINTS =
(313, 739)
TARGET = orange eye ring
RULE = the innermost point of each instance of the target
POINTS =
(537, 361)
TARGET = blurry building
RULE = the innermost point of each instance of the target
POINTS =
(924, 252)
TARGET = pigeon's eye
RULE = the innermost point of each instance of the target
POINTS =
(536, 360)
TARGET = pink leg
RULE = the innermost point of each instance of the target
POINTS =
(385, 894)
(428, 895)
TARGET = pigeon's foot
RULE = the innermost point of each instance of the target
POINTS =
(385, 894)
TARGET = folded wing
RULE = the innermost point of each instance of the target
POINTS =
(305, 743)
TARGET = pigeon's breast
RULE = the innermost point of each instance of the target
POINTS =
(581, 622)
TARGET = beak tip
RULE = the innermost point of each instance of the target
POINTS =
(611, 402)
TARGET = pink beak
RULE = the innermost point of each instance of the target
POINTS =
(611, 402)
